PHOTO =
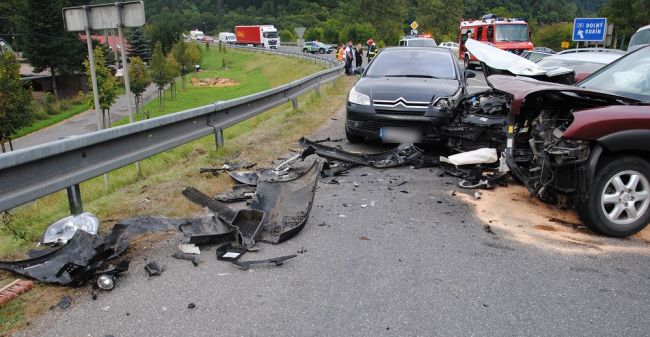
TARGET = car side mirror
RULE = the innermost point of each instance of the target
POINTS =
(358, 71)
(469, 74)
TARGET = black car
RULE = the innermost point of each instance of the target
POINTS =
(404, 95)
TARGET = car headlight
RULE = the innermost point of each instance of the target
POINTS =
(64, 229)
(447, 102)
(356, 97)
(442, 103)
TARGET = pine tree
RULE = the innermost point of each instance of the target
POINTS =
(46, 45)
(138, 45)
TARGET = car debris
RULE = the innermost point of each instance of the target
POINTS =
(82, 258)
(277, 261)
(240, 192)
(195, 259)
(105, 282)
(400, 155)
(480, 156)
(191, 306)
(246, 222)
(227, 167)
(63, 230)
(65, 302)
(154, 269)
(189, 248)
(207, 230)
(488, 229)
(230, 252)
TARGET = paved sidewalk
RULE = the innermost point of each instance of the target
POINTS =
(84, 122)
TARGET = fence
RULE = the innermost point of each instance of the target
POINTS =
(32, 173)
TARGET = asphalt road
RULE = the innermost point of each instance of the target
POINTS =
(418, 263)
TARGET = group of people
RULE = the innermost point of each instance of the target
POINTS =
(353, 55)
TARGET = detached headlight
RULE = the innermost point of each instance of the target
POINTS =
(64, 229)
(356, 97)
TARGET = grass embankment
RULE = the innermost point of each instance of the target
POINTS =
(47, 120)
(259, 139)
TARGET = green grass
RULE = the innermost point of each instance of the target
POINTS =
(52, 119)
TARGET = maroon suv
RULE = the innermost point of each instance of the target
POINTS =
(585, 146)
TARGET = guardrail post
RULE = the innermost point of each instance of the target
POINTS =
(317, 89)
(294, 101)
(74, 200)
(218, 138)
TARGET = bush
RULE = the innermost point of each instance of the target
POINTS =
(552, 35)
(50, 105)
(314, 34)
(358, 33)
(287, 35)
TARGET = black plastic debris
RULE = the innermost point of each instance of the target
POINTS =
(400, 155)
(248, 178)
(488, 229)
(191, 306)
(154, 269)
(195, 259)
(65, 302)
(246, 222)
(230, 252)
(239, 192)
(277, 261)
(204, 231)
(286, 204)
(81, 259)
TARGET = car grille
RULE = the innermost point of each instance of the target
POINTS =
(402, 112)
(375, 125)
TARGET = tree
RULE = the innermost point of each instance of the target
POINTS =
(139, 79)
(440, 18)
(552, 35)
(139, 44)
(186, 56)
(626, 15)
(386, 16)
(45, 43)
(167, 30)
(173, 69)
(106, 85)
(15, 99)
(158, 72)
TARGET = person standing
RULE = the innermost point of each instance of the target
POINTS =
(339, 52)
(372, 49)
(358, 55)
(349, 58)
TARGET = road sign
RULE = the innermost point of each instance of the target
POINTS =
(106, 16)
(589, 29)
(299, 31)
(565, 44)
(414, 25)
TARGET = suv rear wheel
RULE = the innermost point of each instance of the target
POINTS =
(619, 200)
(466, 62)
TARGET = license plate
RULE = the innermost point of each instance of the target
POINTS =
(400, 135)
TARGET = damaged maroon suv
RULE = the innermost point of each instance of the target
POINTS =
(585, 146)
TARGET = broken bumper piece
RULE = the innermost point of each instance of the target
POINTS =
(400, 155)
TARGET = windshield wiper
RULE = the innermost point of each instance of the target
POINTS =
(419, 76)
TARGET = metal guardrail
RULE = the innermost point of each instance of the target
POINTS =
(32, 173)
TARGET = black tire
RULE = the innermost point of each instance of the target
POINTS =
(593, 212)
(352, 138)
(467, 64)
(322, 51)
(304, 50)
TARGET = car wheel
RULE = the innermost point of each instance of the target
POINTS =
(304, 50)
(619, 199)
(352, 138)
(322, 51)
(467, 64)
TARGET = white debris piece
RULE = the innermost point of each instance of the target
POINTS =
(189, 248)
(480, 156)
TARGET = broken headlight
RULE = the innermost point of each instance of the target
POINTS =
(64, 229)
(447, 102)
(356, 97)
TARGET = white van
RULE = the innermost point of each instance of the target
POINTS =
(417, 41)
(196, 35)
(227, 37)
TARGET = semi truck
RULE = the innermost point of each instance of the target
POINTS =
(258, 35)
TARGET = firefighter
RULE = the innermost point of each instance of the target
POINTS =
(372, 49)
(339, 53)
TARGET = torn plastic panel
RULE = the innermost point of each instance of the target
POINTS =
(246, 222)
(83, 257)
(400, 155)
(286, 204)
(240, 192)
(277, 261)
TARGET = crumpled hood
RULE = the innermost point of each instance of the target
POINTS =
(408, 88)
(503, 60)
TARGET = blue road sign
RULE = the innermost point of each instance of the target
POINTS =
(589, 29)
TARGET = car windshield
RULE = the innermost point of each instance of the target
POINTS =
(640, 37)
(628, 77)
(412, 63)
(577, 66)
(514, 32)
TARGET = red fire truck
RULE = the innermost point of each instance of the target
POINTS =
(507, 34)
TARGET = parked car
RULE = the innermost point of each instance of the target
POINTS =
(316, 47)
(583, 146)
(417, 41)
(534, 56)
(583, 64)
(450, 45)
(405, 91)
(546, 50)
(640, 38)
(592, 50)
